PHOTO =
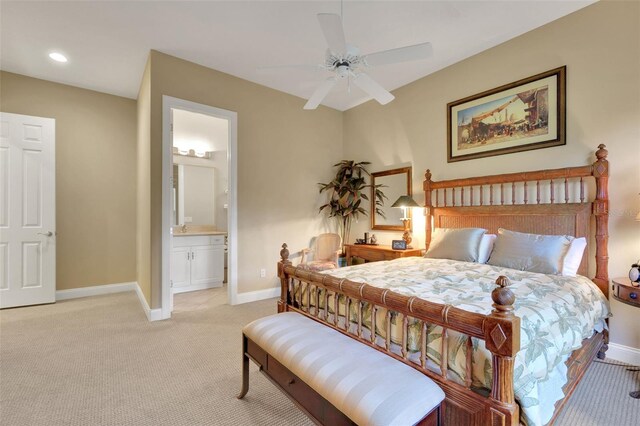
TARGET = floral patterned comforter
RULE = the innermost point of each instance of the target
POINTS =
(556, 313)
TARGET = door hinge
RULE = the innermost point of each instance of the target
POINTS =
(171, 285)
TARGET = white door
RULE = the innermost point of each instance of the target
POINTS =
(180, 267)
(27, 210)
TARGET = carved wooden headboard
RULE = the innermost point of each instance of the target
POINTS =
(552, 202)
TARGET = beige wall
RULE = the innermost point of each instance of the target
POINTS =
(599, 45)
(95, 177)
(282, 152)
(143, 184)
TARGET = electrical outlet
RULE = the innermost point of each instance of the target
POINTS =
(263, 273)
(188, 219)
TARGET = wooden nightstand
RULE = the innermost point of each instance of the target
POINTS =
(377, 253)
(625, 292)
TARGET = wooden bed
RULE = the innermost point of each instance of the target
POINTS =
(542, 202)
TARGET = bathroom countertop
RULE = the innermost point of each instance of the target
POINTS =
(190, 233)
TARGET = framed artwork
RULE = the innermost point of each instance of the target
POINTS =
(519, 116)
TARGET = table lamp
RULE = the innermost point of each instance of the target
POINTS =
(405, 202)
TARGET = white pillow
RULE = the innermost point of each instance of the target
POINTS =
(486, 247)
(573, 258)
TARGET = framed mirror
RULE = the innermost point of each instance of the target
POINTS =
(397, 182)
(194, 195)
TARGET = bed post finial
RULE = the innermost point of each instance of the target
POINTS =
(284, 253)
(284, 279)
(503, 297)
(602, 153)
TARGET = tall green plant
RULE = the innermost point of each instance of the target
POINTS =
(346, 192)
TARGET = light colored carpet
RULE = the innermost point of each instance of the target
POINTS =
(602, 397)
(97, 361)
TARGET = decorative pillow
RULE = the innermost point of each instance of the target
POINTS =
(573, 258)
(530, 252)
(455, 244)
(486, 247)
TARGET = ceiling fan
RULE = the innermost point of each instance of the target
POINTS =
(345, 61)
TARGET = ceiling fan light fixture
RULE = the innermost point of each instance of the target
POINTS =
(343, 70)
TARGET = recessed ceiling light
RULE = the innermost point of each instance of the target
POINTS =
(58, 57)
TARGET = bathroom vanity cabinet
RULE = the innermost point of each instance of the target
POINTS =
(197, 262)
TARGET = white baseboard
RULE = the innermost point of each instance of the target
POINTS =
(74, 293)
(152, 314)
(624, 353)
(254, 296)
(97, 290)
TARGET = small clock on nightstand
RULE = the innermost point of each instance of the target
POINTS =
(626, 292)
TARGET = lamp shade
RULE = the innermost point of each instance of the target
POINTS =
(405, 201)
(638, 217)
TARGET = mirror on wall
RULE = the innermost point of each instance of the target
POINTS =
(397, 182)
(193, 195)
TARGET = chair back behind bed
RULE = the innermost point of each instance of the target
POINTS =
(552, 202)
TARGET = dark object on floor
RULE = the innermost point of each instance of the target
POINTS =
(634, 394)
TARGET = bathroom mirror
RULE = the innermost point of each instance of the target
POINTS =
(193, 195)
(397, 182)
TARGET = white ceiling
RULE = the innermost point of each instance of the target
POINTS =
(107, 43)
(199, 132)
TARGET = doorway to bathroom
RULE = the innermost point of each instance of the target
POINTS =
(199, 214)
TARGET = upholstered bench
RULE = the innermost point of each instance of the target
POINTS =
(336, 379)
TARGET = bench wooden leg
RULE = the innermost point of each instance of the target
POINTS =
(245, 369)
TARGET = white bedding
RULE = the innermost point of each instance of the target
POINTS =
(556, 313)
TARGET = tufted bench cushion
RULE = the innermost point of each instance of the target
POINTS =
(366, 385)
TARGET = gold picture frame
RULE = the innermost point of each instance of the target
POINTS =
(396, 182)
(520, 116)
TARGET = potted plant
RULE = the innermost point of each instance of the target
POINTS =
(346, 192)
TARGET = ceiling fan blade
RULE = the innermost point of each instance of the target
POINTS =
(320, 93)
(297, 67)
(331, 25)
(401, 54)
(373, 89)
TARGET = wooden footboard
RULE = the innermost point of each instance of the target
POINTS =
(311, 293)
(314, 295)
